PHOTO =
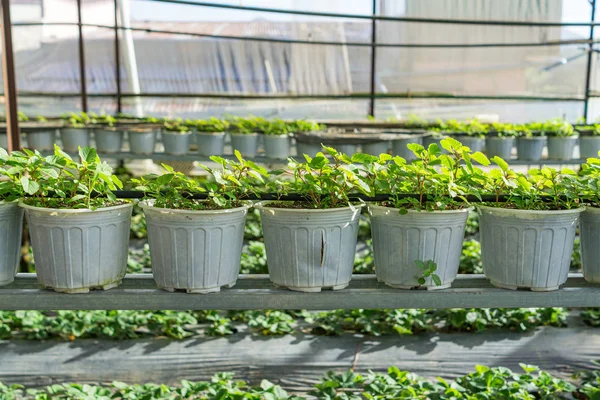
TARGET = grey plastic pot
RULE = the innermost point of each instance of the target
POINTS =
(308, 148)
(530, 148)
(246, 143)
(434, 138)
(210, 144)
(376, 148)
(499, 146)
(399, 147)
(399, 240)
(11, 227)
(348, 149)
(527, 249)
(277, 146)
(72, 138)
(195, 251)
(41, 140)
(589, 233)
(108, 140)
(3, 140)
(310, 250)
(561, 148)
(142, 140)
(474, 143)
(176, 144)
(589, 146)
(76, 250)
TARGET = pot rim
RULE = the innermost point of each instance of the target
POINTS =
(176, 133)
(534, 212)
(591, 209)
(263, 205)
(532, 137)
(72, 210)
(244, 134)
(146, 204)
(209, 133)
(462, 210)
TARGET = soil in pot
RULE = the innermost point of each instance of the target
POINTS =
(309, 250)
(589, 146)
(11, 226)
(73, 138)
(561, 148)
(142, 140)
(499, 146)
(277, 146)
(400, 240)
(527, 249)
(210, 144)
(41, 140)
(108, 140)
(530, 148)
(245, 143)
(195, 251)
(76, 250)
(177, 144)
(399, 147)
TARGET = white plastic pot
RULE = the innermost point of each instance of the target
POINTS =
(561, 148)
(11, 227)
(310, 250)
(499, 146)
(108, 140)
(399, 147)
(195, 251)
(376, 148)
(277, 146)
(76, 250)
(589, 146)
(530, 148)
(73, 138)
(245, 143)
(472, 142)
(399, 240)
(527, 249)
(210, 144)
(177, 144)
(142, 140)
(589, 232)
(41, 140)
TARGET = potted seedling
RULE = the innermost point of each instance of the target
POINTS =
(41, 138)
(210, 136)
(142, 139)
(500, 140)
(75, 133)
(589, 141)
(176, 138)
(471, 134)
(276, 138)
(531, 140)
(310, 148)
(562, 139)
(589, 225)
(108, 137)
(311, 242)
(11, 220)
(527, 239)
(196, 245)
(244, 135)
(79, 230)
(427, 226)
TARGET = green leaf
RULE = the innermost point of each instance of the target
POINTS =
(480, 158)
(501, 163)
(528, 368)
(436, 280)
(481, 369)
(318, 162)
(363, 158)
(420, 264)
(88, 154)
(30, 187)
(165, 179)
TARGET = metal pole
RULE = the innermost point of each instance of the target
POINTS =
(10, 86)
(84, 105)
(588, 73)
(117, 59)
(373, 41)
(129, 54)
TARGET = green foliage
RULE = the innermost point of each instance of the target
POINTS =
(428, 269)
(210, 125)
(554, 127)
(470, 258)
(254, 259)
(253, 227)
(276, 127)
(176, 126)
(271, 322)
(504, 130)
(306, 126)
(139, 260)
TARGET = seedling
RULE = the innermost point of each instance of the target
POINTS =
(428, 269)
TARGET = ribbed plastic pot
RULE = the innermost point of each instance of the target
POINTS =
(142, 141)
(307, 148)
(499, 146)
(108, 140)
(41, 140)
(376, 148)
(176, 144)
(195, 251)
(348, 149)
(474, 143)
(73, 138)
(527, 249)
(589, 146)
(3, 140)
(11, 227)
(277, 146)
(210, 144)
(530, 148)
(310, 250)
(561, 148)
(246, 143)
(399, 240)
(589, 233)
(78, 250)
(399, 147)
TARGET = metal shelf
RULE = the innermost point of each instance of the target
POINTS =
(139, 292)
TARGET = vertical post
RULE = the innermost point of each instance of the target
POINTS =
(10, 86)
(117, 59)
(373, 57)
(84, 105)
(588, 73)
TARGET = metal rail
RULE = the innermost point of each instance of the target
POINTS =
(255, 292)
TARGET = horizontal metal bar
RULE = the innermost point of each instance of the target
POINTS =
(376, 17)
(254, 292)
(324, 43)
(349, 96)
